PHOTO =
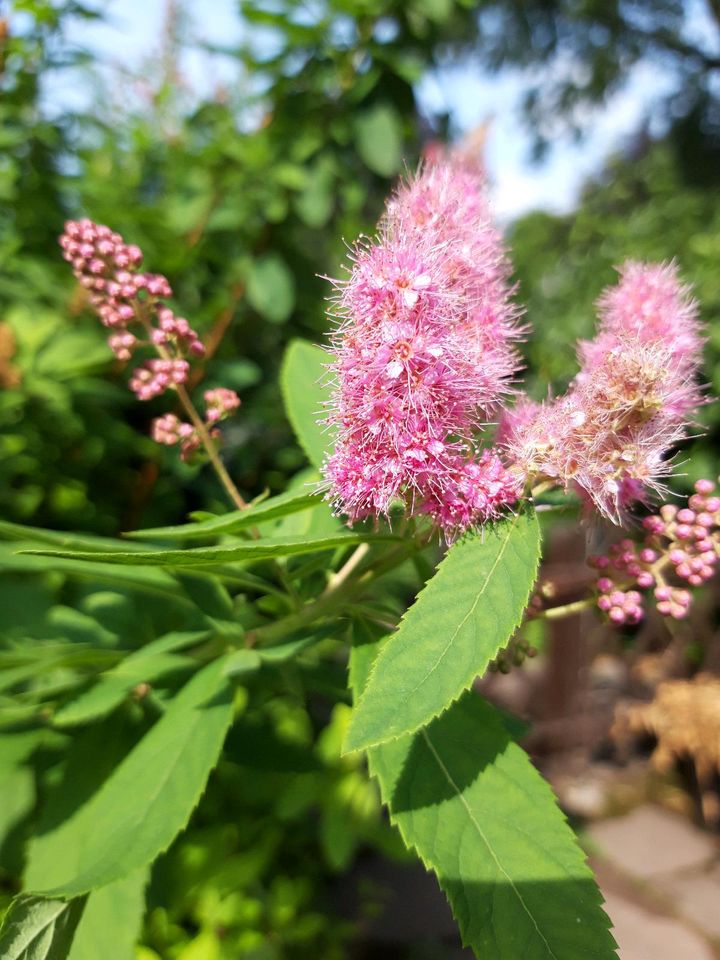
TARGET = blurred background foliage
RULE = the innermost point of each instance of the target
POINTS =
(244, 198)
(646, 205)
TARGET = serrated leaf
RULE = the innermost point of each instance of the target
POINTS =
(151, 663)
(110, 924)
(17, 532)
(303, 381)
(467, 799)
(460, 620)
(246, 552)
(38, 929)
(280, 506)
(147, 800)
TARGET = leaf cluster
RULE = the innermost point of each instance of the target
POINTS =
(179, 730)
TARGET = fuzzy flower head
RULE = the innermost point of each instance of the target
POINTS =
(423, 352)
(649, 304)
(608, 437)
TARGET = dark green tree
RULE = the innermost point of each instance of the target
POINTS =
(579, 53)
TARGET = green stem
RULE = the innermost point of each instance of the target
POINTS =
(197, 421)
(211, 448)
(358, 554)
(329, 602)
(567, 610)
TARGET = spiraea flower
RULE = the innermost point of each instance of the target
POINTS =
(423, 354)
(609, 436)
(652, 305)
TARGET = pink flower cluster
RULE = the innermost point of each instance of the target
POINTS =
(608, 437)
(156, 376)
(682, 544)
(124, 296)
(423, 354)
(170, 429)
(220, 403)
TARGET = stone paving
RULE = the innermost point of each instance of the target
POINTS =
(661, 880)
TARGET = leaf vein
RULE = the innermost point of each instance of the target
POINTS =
(473, 607)
(446, 773)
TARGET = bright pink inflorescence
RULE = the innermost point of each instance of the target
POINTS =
(424, 352)
(680, 545)
(608, 437)
(124, 296)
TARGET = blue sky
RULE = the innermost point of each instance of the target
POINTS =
(129, 39)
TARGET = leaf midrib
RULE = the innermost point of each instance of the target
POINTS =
(40, 931)
(473, 607)
(448, 776)
(151, 804)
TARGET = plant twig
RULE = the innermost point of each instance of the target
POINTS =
(335, 579)
(566, 610)
(202, 430)
(211, 448)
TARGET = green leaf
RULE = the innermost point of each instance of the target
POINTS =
(17, 532)
(378, 137)
(283, 652)
(468, 800)
(271, 288)
(110, 925)
(315, 203)
(246, 552)
(148, 664)
(248, 661)
(146, 801)
(17, 789)
(460, 620)
(155, 582)
(280, 506)
(38, 929)
(242, 662)
(207, 593)
(305, 390)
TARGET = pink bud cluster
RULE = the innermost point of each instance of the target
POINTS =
(169, 430)
(680, 544)
(608, 437)
(177, 332)
(124, 296)
(423, 354)
(156, 376)
(220, 403)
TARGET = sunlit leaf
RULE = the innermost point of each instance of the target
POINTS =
(457, 625)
